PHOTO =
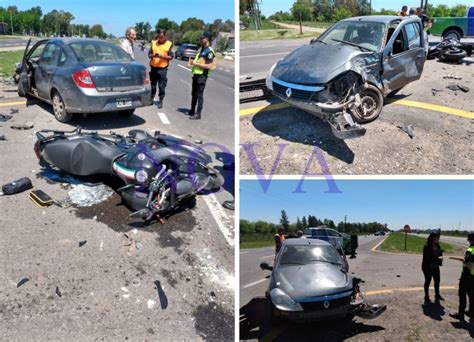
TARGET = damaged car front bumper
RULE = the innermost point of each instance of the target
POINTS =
(307, 98)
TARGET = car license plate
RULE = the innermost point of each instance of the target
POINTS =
(124, 103)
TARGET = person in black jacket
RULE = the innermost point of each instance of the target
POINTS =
(432, 260)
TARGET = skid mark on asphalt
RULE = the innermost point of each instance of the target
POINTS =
(163, 118)
(223, 221)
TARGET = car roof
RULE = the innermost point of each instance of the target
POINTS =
(69, 40)
(384, 19)
(303, 242)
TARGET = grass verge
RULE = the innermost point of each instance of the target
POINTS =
(8, 60)
(251, 35)
(256, 244)
(395, 243)
(316, 24)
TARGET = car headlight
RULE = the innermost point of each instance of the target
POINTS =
(268, 81)
(141, 176)
(284, 302)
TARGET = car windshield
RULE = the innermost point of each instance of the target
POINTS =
(367, 35)
(94, 51)
(306, 254)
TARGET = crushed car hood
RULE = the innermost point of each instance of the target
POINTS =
(312, 280)
(318, 63)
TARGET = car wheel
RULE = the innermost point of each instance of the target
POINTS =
(371, 103)
(127, 113)
(21, 90)
(454, 56)
(452, 34)
(59, 109)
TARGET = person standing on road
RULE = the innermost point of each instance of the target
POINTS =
(202, 65)
(160, 55)
(432, 260)
(403, 12)
(279, 237)
(354, 245)
(127, 43)
(466, 283)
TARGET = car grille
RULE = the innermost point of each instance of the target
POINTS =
(299, 94)
(319, 306)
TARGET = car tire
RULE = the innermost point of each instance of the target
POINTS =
(452, 34)
(59, 108)
(372, 101)
(21, 90)
(454, 56)
(127, 113)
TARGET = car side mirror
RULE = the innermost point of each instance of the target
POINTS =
(265, 266)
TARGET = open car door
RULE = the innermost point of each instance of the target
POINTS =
(404, 55)
(22, 71)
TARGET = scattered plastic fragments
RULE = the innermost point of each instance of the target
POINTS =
(5, 117)
(161, 295)
(452, 77)
(82, 243)
(58, 292)
(408, 129)
(2, 137)
(22, 281)
(86, 196)
(455, 87)
(26, 125)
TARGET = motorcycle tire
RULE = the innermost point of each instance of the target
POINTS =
(454, 56)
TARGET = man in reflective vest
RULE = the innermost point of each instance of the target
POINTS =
(160, 56)
(203, 64)
(466, 283)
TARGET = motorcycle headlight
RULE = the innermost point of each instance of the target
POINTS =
(141, 176)
(268, 81)
(284, 302)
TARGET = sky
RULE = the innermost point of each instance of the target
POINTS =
(421, 204)
(116, 15)
(268, 7)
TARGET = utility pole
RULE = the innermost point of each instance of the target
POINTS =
(345, 220)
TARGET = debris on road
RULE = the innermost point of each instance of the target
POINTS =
(87, 196)
(150, 303)
(435, 91)
(22, 281)
(58, 292)
(82, 243)
(26, 125)
(14, 111)
(455, 87)
(229, 205)
(452, 77)
(161, 295)
(17, 186)
(408, 129)
(2, 137)
(5, 117)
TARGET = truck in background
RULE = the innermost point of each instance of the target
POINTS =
(460, 27)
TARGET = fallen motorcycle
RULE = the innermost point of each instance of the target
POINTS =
(450, 50)
(158, 171)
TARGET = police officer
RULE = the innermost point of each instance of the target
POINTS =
(466, 283)
(160, 55)
(203, 64)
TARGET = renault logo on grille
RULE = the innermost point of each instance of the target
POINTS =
(123, 70)
(288, 92)
(326, 304)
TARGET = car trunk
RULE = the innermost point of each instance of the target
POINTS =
(116, 76)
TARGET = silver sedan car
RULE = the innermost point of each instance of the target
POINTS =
(80, 75)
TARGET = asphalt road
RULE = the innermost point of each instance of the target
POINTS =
(462, 241)
(392, 279)
(127, 281)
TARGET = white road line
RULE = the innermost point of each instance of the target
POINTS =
(182, 66)
(254, 283)
(268, 256)
(223, 221)
(227, 70)
(164, 118)
(266, 54)
(187, 83)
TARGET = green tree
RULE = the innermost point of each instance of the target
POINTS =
(285, 223)
(97, 31)
(191, 37)
(261, 227)
(166, 24)
(246, 227)
(192, 24)
(301, 11)
(143, 30)
(304, 222)
(299, 224)
(341, 13)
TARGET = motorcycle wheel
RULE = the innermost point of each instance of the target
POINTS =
(454, 56)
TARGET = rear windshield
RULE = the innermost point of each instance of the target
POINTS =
(98, 51)
(191, 47)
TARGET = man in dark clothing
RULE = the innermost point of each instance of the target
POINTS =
(466, 283)
(354, 245)
(202, 65)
